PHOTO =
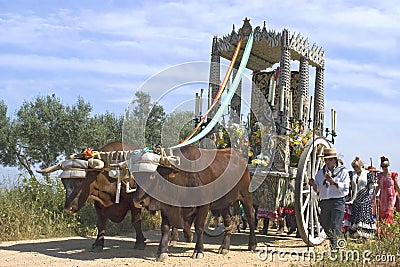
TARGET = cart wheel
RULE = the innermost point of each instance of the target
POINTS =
(214, 224)
(306, 200)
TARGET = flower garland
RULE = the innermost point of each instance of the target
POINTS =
(89, 153)
(234, 136)
(254, 146)
(256, 155)
(298, 138)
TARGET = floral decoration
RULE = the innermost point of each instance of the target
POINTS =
(257, 135)
(89, 153)
(298, 138)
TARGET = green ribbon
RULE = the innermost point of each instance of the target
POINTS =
(227, 100)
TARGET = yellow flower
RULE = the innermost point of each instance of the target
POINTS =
(298, 138)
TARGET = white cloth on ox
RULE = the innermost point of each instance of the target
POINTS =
(74, 168)
(144, 162)
(73, 174)
(74, 164)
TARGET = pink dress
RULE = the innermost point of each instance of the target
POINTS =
(387, 197)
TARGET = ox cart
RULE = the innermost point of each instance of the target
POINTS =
(280, 100)
(291, 136)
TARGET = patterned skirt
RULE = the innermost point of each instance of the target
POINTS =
(362, 220)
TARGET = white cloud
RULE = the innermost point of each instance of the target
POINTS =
(56, 64)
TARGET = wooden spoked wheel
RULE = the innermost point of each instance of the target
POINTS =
(306, 199)
(214, 224)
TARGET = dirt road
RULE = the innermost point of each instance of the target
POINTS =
(119, 251)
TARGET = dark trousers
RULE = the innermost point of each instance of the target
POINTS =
(331, 219)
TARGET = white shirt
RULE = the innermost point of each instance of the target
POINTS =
(328, 191)
(360, 181)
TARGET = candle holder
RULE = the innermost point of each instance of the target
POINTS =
(332, 133)
(309, 122)
(280, 116)
(280, 129)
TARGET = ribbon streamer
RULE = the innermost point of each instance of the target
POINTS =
(228, 98)
(219, 93)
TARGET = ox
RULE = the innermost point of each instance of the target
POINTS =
(100, 187)
(217, 163)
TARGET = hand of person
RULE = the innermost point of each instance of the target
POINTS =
(329, 179)
(312, 183)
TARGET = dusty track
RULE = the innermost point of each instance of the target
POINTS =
(119, 251)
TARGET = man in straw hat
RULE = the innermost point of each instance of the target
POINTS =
(332, 184)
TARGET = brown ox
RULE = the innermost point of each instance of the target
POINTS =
(101, 188)
(222, 161)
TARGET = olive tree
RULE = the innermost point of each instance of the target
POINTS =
(45, 130)
(143, 121)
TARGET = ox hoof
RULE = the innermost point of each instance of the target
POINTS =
(252, 247)
(173, 243)
(96, 248)
(162, 257)
(223, 251)
(197, 255)
(140, 246)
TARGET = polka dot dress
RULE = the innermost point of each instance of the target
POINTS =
(362, 221)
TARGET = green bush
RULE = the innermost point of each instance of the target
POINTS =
(32, 209)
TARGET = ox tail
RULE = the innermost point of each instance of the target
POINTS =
(50, 169)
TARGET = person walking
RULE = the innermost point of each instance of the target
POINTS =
(388, 186)
(362, 223)
(332, 184)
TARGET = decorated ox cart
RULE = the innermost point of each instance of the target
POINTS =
(285, 124)
(282, 106)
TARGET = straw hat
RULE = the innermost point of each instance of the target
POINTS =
(329, 153)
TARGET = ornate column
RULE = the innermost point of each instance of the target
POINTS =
(303, 90)
(319, 105)
(215, 76)
(284, 81)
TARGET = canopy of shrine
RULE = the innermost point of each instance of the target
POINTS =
(267, 47)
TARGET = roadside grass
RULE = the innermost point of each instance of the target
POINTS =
(382, 250)
(33, 209)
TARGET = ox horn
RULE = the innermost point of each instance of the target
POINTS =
(50, 169)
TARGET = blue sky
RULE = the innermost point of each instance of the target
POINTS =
(104, 51)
